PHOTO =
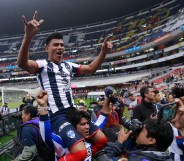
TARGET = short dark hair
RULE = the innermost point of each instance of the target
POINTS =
(156, 91)
(54, 35)
(74, 116)
(30, 110)
(178, 90)
(144, 90)
(163, 133)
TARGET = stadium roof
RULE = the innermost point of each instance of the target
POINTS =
(65, 13)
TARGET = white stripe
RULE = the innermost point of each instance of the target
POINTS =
(42, 129)
(100, 120)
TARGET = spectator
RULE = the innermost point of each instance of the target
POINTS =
(82, 107)
(145, 110)
(80, 100)
(27, 134)
(100, 103)
(152, 142)
(28, 99)
(177, 147)
(134, 101)
(112, 125)
(156, 100)
(5, 109)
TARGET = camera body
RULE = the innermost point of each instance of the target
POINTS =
(134, 125)
(17, 115)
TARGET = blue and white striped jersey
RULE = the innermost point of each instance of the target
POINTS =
(56, 80)
(55, 141)
(176, 149)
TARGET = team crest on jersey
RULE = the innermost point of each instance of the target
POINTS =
(70, 134)
(67, 66)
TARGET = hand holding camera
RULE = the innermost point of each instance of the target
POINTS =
(135, 126)
(110, 92)
(123, 135)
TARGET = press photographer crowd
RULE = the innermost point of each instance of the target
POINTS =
(154, 130)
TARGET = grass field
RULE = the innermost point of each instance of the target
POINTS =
(4, 140)
(13, 105)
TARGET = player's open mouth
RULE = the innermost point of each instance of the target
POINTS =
(59, 53)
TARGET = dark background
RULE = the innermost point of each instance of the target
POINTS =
(64, 13)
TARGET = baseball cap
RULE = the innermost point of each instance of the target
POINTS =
(6, 102)
(81, 104)
(100, 98)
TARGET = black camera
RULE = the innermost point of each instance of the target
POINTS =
(134, 125)
(17, 115)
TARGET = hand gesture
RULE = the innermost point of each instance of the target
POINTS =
(107, 45)
(42, 98)
(33, 26)
(123, 136)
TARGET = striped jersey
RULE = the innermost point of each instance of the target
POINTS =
(56, 80)
(176, 149)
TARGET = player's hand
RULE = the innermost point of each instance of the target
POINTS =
(42, 98)
(107, 45)
(33, 26)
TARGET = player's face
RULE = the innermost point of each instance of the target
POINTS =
(83, 128)
(55, 50)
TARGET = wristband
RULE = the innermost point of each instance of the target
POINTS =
(42, 108)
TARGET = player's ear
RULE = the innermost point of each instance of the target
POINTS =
(46, 47)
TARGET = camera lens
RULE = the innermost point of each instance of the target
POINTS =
(125, 122)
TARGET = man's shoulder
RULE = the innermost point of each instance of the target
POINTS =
(138, 106)
(30, 126)
(26, 131)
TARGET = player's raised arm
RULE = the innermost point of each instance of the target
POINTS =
(30, 29)
(93, 66)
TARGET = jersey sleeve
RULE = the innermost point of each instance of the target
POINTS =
(75, 69)
(40, 65)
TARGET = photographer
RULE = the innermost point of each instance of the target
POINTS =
(177, 147)
(28, 99)
(152, 142)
